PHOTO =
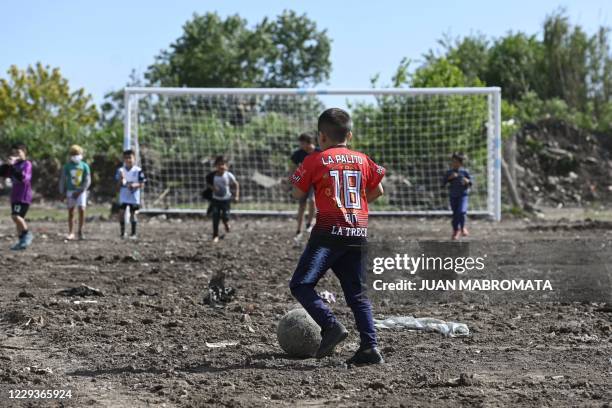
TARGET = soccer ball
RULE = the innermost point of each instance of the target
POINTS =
(298, 335)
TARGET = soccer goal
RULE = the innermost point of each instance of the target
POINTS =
(177, 132)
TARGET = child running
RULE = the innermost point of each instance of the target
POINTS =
(75, 179)
(221, 186)
(20, 170)
(459, 182)
(345, 181)
(131, 180)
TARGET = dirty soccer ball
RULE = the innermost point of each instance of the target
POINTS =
(298, 334)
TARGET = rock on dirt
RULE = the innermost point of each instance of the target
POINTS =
(81, 291)
(560, 165)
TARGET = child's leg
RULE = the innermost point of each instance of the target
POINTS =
(225, 215)
(123, 215)
(313, 264)
(455, 207)
(216, 217)
(18, 211)
(351, 271)
(81, 218)
(133, 218)
(20, 224)
(463, 206)
(70, 221)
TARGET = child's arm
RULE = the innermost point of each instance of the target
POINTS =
(62, 181)
(449, 176)
(373, 193)
(299, 194)
(237, 188)
(467, 179)
(87, 181)
(210, 181)
(140, 183)
(120, 177)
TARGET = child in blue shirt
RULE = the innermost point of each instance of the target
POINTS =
(459, 182)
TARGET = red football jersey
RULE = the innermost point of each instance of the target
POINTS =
(340, 177)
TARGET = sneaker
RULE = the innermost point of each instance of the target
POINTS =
(465, 232)
(366, 357)
(133, 237)
(124, 236)
(227, 227)
(81, 236)
(298, 238)
(330, 338)
(27, 239)
(19, 246)
(70, 237)
(215, 239)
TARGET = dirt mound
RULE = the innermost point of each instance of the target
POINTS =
(561, 165)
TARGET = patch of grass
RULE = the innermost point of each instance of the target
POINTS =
(47, 213)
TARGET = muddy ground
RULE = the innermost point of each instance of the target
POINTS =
(144, 342)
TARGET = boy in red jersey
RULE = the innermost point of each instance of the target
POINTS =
(345, 181)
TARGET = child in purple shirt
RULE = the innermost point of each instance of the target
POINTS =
(19, 169)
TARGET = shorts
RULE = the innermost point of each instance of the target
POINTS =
(133, 207)
(221, 208)
(80, 201)
(20, 209)
(308, 197)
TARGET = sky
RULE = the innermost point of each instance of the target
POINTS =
(96, 44)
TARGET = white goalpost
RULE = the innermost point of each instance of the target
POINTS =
(177, 132)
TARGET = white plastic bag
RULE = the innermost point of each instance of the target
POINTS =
(447, 329)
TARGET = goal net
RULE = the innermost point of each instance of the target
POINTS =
(177, 132)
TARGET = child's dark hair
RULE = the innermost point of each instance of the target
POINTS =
(19, 146)
(306, 138)
(335, 123)
(128, 152)
(459, 156)
(220, 160)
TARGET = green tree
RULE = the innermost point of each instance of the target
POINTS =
(216, 52)
(566, 51)
(38, 107)
(299, 55)
(40, 93)
(470, 54)
(515, 64)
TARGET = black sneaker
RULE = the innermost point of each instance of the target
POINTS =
(365, 357)
(330, 338)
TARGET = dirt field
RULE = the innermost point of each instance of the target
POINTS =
(147, 340)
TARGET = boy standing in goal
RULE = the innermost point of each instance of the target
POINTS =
(222, 183)
(345, 181)
(131, 180)
(307, 146)
(459, 182)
